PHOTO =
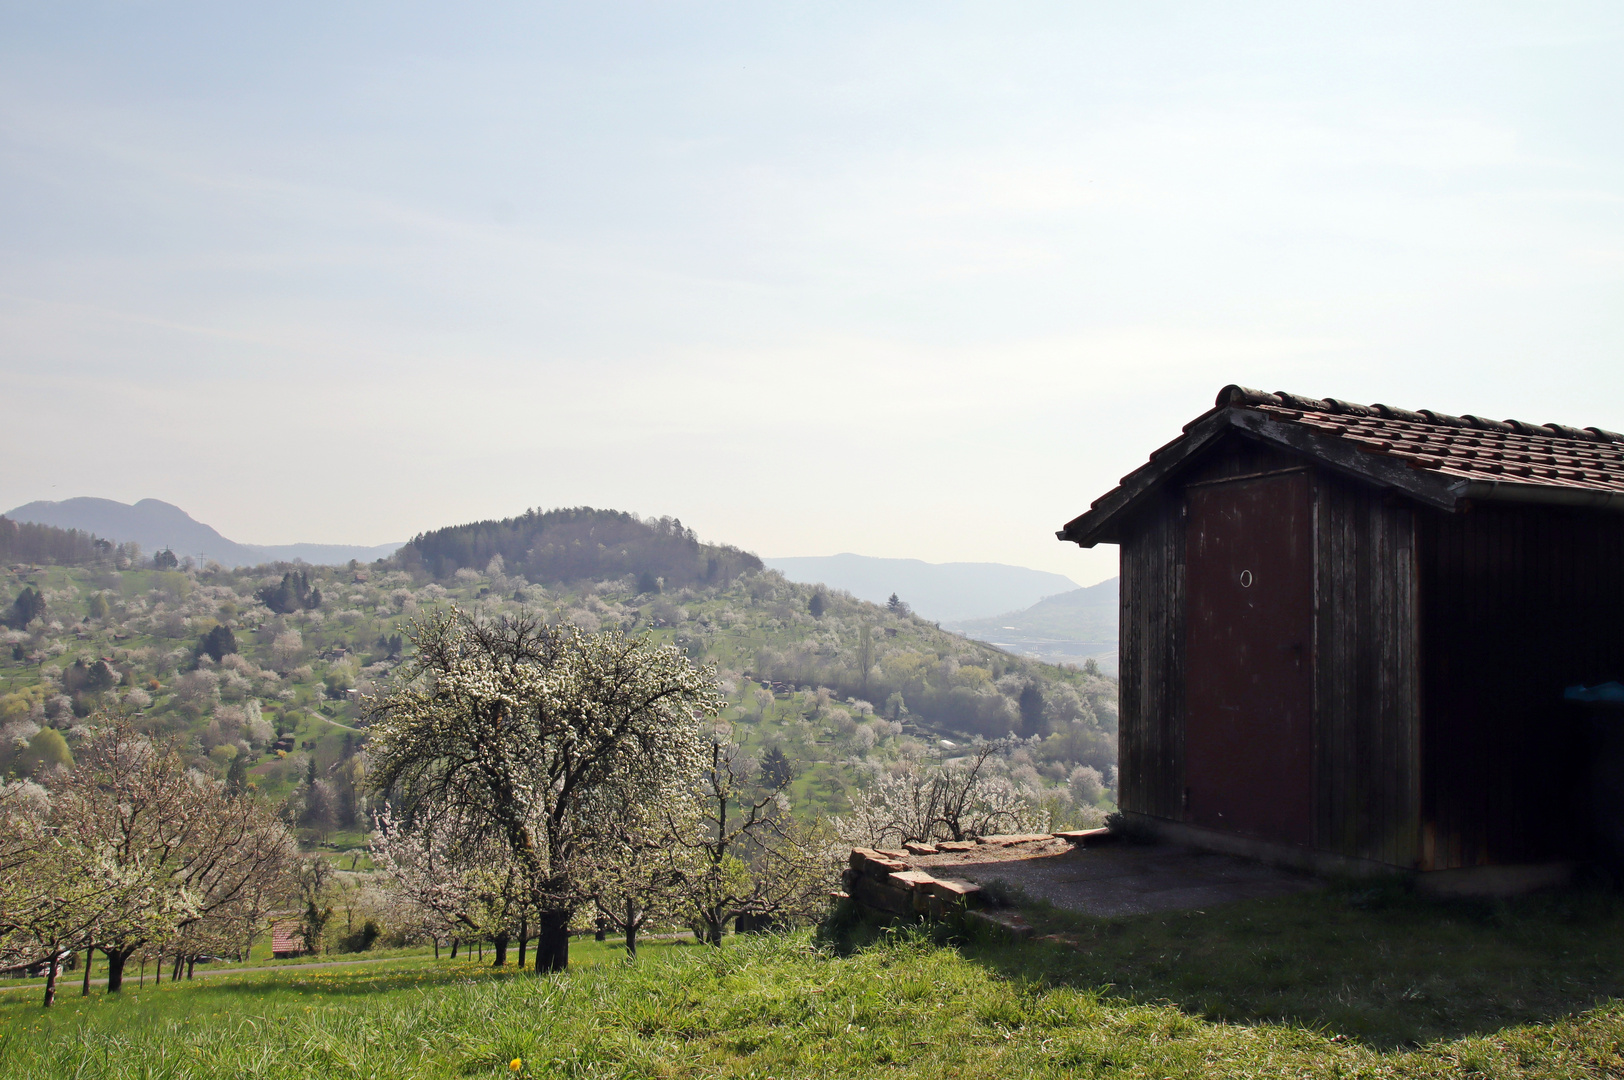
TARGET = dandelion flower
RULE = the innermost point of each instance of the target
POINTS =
(516, 1064)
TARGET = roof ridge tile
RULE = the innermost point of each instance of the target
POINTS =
(1349, 408)
(1387, 412)
(1308, 404)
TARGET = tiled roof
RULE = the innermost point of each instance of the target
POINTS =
(1462, 447)
(1440, 460)
(287, 937)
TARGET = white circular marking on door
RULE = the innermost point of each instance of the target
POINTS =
(1246, 579)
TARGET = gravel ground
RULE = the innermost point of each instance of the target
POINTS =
(1117, 879)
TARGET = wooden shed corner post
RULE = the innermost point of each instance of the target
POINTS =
(1151, 673)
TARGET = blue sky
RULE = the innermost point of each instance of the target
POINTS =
(902, 279)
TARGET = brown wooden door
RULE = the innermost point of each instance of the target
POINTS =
(1249, 698)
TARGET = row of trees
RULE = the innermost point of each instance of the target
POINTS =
(22, 541)
(535, 773)
(128, 852)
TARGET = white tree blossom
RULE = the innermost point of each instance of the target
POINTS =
(518, 726)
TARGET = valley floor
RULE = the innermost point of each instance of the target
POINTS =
(1344, 982)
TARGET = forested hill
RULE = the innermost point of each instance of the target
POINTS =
(578, 544)
(24, 542)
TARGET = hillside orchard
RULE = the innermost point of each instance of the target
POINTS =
(287, 690)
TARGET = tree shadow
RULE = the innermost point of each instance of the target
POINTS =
(1373, 962)
(345, 982)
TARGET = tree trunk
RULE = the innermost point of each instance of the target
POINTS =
(157, 970)
(90, 951)
(454, 943)
(174, 976)
(50, 978)
(553, 941)
(524, 937)
(500, 944)
(437, 948)
(631, 924)
(191, 965)
(115, 968)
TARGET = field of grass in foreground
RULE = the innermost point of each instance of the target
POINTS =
(1129, 997)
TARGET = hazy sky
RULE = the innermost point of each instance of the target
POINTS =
(905, 280)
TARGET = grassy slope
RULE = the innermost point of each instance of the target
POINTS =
(1336, 984)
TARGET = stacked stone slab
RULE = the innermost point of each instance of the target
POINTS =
(881, 880)
(883, 883)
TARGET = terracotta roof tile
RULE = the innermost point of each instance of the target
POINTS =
(287, 937)
(1460, 447)
(1439, 459)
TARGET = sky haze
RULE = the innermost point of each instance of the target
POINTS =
(909, 280)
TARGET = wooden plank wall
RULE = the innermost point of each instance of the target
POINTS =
(1518, 603)
(1151, 661)
(1367, 731)
(1442, 645)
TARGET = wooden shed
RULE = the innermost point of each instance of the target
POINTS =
(1347, 630)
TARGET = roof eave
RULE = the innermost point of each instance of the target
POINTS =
(1422, 485)
(1541, 494)
(1099, 524)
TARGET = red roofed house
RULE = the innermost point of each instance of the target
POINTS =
(1346, 631)
(288, 938)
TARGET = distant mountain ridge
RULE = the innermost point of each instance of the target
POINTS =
(1070, 627)
(937, 591)
(156, 525)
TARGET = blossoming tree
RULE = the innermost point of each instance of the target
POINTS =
(516, 729)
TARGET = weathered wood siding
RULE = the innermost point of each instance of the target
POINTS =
(1367, 730)
(1367, 737)
(1150, 661)
(1442, 645)
(1518, 603)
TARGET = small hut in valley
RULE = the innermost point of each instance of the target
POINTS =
(288, 937)
(1347, 632)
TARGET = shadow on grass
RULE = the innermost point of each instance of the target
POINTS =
(1377, 963)
(333, 982)
(359, 980)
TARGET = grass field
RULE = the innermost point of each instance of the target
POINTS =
(1342, 983)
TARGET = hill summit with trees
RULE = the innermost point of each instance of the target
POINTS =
(579, 544)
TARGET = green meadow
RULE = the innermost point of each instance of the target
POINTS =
(1346, 982)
